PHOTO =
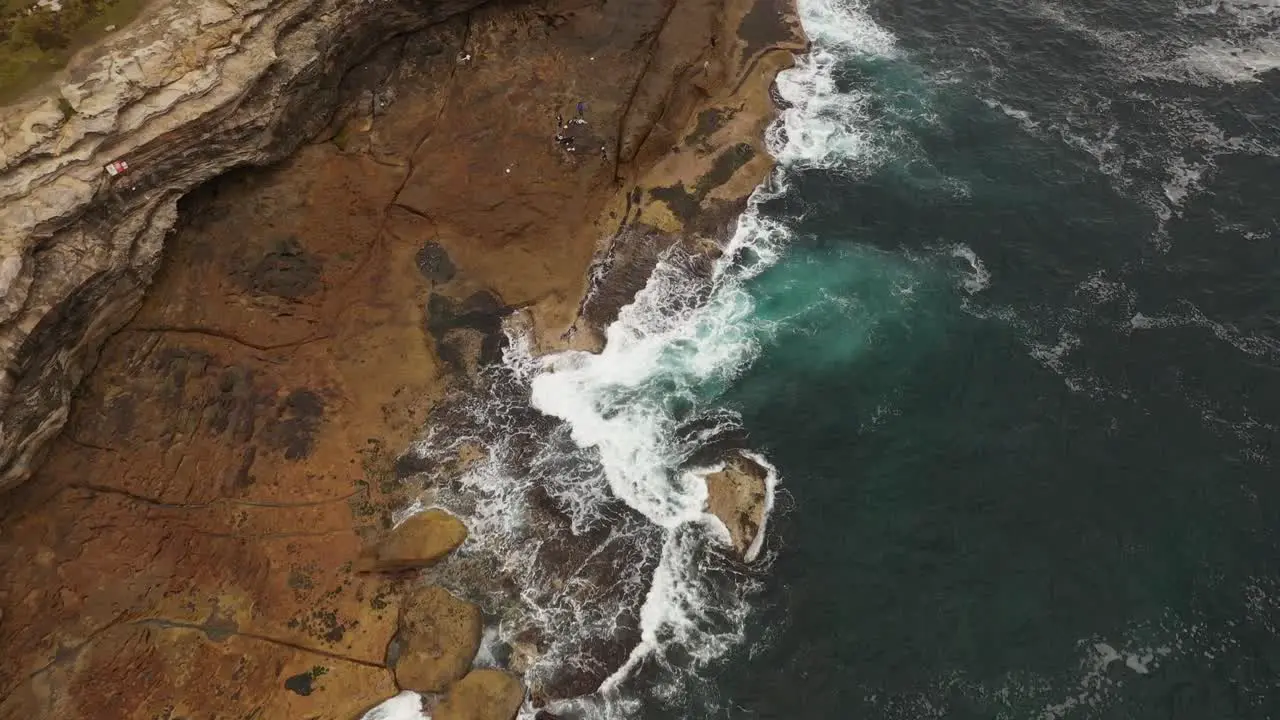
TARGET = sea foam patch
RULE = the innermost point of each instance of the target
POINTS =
(405, 706)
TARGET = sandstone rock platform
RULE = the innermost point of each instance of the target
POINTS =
(221, 365)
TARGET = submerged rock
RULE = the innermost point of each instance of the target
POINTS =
(738, 495)
(439, 636)
(420, 541)
(482, 695)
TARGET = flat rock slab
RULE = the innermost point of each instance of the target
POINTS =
(482, 695)
(438, 638)
(420, 541)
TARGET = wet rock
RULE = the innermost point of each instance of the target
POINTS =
(687, 203)
(449, 320)
(420, 541)
(482, 695)
(737, 495)
(220, 477)
(439, 636)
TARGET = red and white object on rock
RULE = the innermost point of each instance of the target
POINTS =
(119, 167)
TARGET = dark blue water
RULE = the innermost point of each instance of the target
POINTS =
(1022, 381)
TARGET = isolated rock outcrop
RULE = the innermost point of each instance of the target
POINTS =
(191, 91)
(738, 495)
(422, 540)
(482, 695)
(437, 640)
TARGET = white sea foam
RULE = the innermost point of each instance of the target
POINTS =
(1022, 117)
(662, 348)
(770, 486)
(1187, 314)
(980, 278)
(1220, 61)
(1104, 666)
(405, 706)
(1247, 50)
(585, 433)
(827, 127)
(1176, 142)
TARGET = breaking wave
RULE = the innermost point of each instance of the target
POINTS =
(582, 476)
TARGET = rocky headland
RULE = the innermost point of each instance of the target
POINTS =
(214, 358)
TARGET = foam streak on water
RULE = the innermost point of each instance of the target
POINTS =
(405, 706)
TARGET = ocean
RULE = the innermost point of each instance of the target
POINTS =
(1021, 376)
(1005, 324)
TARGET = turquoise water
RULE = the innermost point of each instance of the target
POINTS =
(1022, 382)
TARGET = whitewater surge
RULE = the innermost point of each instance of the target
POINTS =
(684, 338)
(584, 496)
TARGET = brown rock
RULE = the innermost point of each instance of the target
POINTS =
(439, 636)
(738, 495)
(229, 451)
(420, 541)
(482, 695)
(189, 91)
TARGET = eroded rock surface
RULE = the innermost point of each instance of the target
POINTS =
(188, 548)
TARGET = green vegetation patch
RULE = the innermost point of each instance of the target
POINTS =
(37, 40)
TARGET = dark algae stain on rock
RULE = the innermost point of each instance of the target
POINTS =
(682, 202)
(725, 166)
(482, 312)
(686, 203)
(286, 271)
(709, 122)
(244, 476)
(300, 415)
(233, 408)
(765, 25)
